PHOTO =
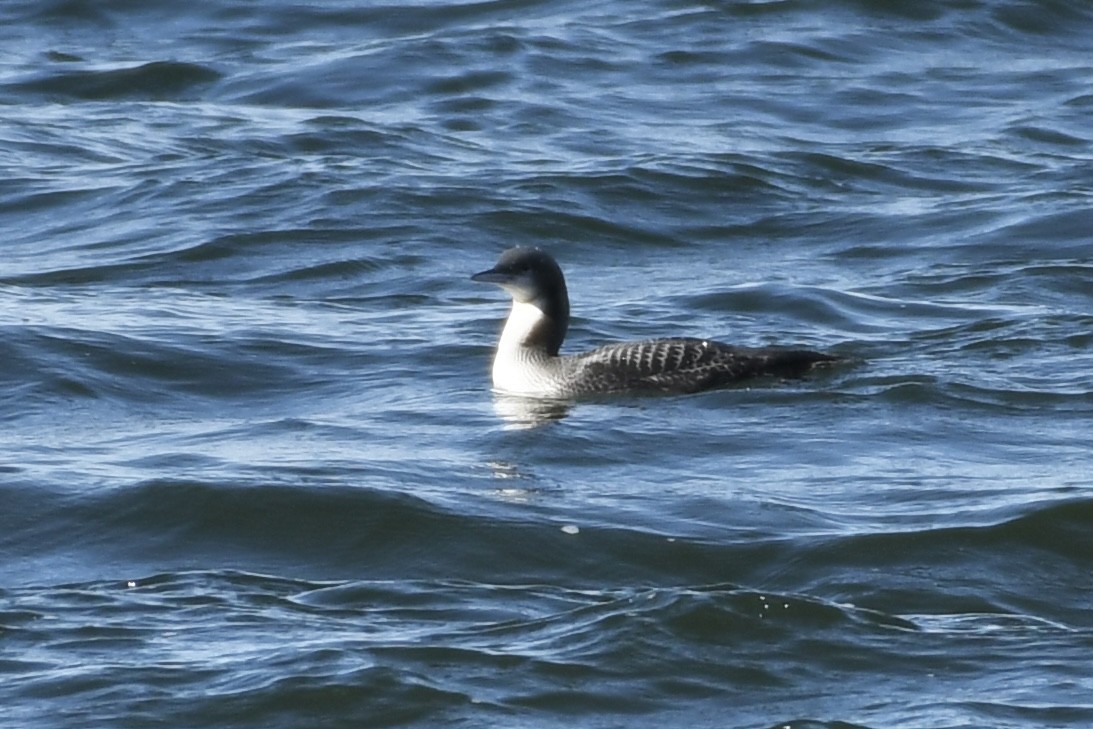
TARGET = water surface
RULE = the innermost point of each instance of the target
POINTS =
(251, 470)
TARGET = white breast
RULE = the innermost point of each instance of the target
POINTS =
(517, 369)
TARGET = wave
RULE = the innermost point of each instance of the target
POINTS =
(368, 648)
(155, 81)
(361, 532)
(64, 364)
(454, 646)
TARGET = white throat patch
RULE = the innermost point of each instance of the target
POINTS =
(522, 320)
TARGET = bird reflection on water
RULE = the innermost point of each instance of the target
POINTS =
(523, 413)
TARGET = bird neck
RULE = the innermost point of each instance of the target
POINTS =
(530, 327)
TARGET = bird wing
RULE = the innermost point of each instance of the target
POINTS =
(687, 365)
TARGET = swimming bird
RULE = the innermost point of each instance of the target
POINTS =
(527, 361)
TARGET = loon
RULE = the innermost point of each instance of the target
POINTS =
(527, 361)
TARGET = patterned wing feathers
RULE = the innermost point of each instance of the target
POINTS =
(685, 365)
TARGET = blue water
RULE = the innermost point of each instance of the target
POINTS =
(251, 470)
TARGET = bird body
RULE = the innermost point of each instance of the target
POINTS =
(527, 361)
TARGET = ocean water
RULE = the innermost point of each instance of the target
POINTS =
(251, 470)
